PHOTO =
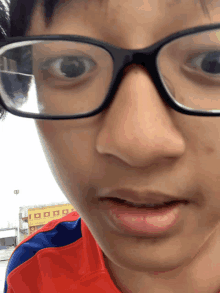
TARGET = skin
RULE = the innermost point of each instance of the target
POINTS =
(140, 143)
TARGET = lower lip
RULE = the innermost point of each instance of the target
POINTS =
(143, 220)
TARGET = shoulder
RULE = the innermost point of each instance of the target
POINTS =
(51, 238)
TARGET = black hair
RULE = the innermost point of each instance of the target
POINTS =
(4, 32)
(21, 12)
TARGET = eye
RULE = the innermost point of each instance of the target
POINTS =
(68, 67)
(207, 63)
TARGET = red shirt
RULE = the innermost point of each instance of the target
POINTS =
(61, 257)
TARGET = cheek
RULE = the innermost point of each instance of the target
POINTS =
(203, 149)
(70, 153)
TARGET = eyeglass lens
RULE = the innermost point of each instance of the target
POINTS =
(55, 77)
(190, 70)
(67, 78)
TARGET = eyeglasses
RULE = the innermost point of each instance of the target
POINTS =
(72, 77)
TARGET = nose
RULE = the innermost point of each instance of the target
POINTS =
(137, 128)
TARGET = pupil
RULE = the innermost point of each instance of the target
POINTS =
(211, 63)
(72, 68)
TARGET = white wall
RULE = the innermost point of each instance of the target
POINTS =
(8, 233)
(3, 267)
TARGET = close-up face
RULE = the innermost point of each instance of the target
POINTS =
(138, 146)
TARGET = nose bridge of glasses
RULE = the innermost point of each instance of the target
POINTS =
(143, 57)
(140, 57)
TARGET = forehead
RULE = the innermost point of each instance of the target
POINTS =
(109, 6)
(56, 3)
(54, 7)
(119, 17)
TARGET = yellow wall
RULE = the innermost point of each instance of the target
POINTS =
(41, 216)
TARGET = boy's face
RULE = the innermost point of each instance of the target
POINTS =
(138, 143)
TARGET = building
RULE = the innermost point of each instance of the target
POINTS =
(31, 218)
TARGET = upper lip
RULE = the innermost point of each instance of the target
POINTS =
(143, 197)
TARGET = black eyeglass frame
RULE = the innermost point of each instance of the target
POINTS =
(122, 58)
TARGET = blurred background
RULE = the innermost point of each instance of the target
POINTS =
(29, 195)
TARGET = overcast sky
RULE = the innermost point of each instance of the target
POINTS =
(23, 167)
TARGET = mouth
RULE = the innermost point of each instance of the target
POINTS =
(146, 220)
(149, 206)
(144, 199)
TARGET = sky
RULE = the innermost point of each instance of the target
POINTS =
(23, 167)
